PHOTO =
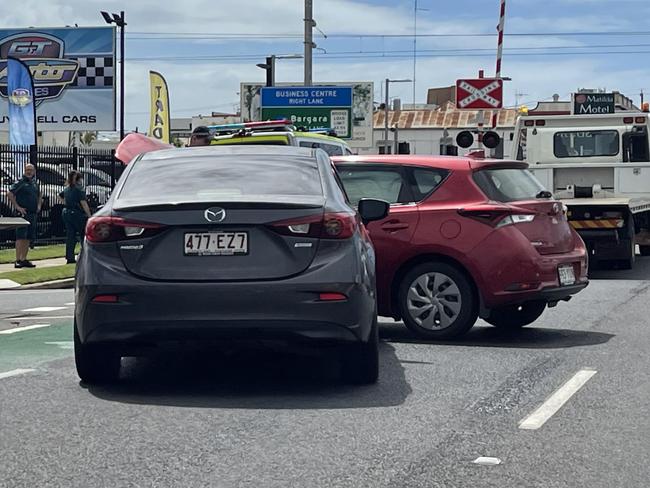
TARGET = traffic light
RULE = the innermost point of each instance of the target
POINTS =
(269, 67)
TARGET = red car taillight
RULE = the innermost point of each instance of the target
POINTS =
(333, 225)
(110, 229)
(497, 215)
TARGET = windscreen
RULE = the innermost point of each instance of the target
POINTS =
(508, 184)
(222, 177)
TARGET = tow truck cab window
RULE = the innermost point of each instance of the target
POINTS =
(635, 145)
(585, 143)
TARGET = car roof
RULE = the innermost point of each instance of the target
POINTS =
(445, 162)
(225, 150)
(322, 137)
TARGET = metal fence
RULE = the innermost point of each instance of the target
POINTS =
(99, 167)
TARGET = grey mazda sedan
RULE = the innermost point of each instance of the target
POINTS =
(227, 243)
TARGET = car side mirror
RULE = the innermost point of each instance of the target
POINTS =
(371, 209)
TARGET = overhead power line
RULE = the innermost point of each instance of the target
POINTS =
(384, 55)
(257, 35)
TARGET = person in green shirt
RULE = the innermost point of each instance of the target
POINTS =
(75, 213)
(25, 196)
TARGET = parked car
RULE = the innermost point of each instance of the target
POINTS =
(465, 237)
(220, 243)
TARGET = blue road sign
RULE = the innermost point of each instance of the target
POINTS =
(307, 96)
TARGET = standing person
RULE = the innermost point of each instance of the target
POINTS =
(25, 196)
(75, 213)
(200, 137)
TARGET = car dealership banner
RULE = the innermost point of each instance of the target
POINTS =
(73, 69)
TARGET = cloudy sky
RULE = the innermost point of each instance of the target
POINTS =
(206, 47)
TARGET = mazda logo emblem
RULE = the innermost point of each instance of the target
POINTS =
(215, 214)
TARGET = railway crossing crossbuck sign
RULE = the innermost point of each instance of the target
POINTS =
(480, 93)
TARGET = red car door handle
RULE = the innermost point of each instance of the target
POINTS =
(394, 226)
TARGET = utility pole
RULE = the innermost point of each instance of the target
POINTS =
(309, 40)
(641, 98)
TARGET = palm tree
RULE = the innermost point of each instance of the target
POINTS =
(87, 138)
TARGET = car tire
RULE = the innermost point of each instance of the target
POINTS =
(431, 314)
(360, 361)
(95, 365)
(644, 250)
(514, 317)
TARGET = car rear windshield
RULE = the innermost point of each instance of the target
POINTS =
(211, 178)
(508, 184)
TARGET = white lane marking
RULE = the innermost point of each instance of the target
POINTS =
(62, 344)
(15, 372)
(539, 417)
(20, 329)
(43, 309)
(71, 304)
(37, 317)
(487, 461)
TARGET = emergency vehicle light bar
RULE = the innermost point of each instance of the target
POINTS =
(264, 125)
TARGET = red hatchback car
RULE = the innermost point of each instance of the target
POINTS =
(465, 237)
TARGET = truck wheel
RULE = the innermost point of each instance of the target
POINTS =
(645, 250)
(628, 263)
(514, 317)
(437, 301)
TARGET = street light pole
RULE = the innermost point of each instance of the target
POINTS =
(121, 25)
(386, 143)
(386, 116)
(119, 21)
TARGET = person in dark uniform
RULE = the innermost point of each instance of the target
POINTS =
(75, 213)
(200, 137)
(25, 196)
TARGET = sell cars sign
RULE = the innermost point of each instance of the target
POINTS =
(73, 69)
(594, 103)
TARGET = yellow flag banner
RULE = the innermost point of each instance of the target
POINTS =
(160, 121)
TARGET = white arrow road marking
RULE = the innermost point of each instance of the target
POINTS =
(15, 372)
(43, 309)
(479, 94)
(62, 344)
(539, 417)
(21, 329)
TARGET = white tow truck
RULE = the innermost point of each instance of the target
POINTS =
(599, 167)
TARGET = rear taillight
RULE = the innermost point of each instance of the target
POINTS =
(497, 216)
(110, 229)
(333, 225)
(515, 219)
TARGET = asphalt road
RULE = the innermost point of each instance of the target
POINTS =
(282, 420)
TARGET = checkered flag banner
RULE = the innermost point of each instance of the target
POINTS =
(95, 72)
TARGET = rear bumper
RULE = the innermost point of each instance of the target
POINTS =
(152, 313)
(520, 263)
(556, 294)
